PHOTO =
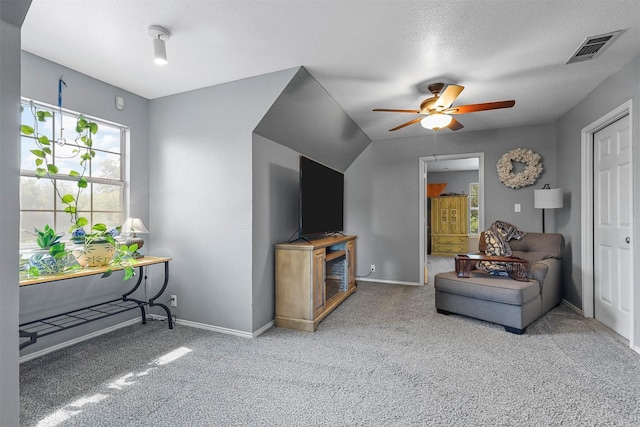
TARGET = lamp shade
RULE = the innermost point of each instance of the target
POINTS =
(133, 226)
(549, 198)
(436, 121)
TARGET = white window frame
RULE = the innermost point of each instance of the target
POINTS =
(477, 208)
(71, 116)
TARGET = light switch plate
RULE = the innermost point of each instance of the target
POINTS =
(517, 207)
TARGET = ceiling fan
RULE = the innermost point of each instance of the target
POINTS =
(437, 110)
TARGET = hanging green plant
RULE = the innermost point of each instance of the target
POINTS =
(45, 167)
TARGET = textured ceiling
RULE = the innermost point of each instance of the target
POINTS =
(366, 54)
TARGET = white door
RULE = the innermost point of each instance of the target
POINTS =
(612, 226)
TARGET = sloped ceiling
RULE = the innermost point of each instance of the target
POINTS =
(306, 119)
(14, 12)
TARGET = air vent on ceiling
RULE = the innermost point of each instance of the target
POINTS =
(592, 46)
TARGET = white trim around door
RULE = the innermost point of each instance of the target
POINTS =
(423, 186)
(587, 212)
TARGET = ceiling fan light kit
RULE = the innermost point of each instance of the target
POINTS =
(437, 110)
(436, 121)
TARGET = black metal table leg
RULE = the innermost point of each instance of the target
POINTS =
(33, 337)
(156, 296)
(141, 304)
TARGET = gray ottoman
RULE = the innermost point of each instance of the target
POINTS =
(502, 300)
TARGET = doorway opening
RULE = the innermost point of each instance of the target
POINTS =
(444, 164)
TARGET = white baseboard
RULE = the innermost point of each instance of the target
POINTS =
(391, 282)
(218, 328)
(573, 307)
(581, 313)
(47, 350)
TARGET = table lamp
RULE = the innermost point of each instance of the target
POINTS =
(133, 226)
(547, 198)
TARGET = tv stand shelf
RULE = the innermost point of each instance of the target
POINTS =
(312, 278)
(331, 255)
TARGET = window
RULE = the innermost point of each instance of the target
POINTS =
(474, 208)
(101, 201)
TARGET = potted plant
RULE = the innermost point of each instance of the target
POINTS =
(98, 247)
(95, 248)
(53, 256)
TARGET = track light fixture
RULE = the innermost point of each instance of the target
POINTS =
(159, 35)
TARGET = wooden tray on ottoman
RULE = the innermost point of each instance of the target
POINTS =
(517, 268)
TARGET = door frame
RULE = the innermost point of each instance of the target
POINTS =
(588, 282)
(423, 195)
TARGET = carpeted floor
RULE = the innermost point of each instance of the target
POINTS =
(383, 358)
(437, 264)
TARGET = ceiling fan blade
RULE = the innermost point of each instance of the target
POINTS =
(455, 125)
(410, 122)
(448, 96)
(386, 110)
(472, 108)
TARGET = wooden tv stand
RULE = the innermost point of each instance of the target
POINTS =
(313, 278)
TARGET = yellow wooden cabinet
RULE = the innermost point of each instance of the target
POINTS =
(312, 279)
(449, 225)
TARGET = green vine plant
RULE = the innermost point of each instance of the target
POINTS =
(46, 168)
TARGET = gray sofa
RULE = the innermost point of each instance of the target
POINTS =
(503, 300)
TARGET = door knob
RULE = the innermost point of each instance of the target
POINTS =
(628, 240)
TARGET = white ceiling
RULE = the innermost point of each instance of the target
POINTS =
(366, 54)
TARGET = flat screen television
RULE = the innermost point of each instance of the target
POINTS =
(321, 199)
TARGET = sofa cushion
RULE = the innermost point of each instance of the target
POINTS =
(533, 247)
(487, 287)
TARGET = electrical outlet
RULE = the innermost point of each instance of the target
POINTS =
(373, 268)
(517, 207)
(174, 300)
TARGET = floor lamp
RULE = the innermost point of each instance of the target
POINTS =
(547, 198)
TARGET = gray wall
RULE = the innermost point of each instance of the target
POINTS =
(201, 196)
(276, 187)
(40, 82)
(11, 17)
(383, 184)
(616, 90)
(303, 120)
(457, 181)
(236, 178)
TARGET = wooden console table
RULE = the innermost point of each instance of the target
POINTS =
(517, 268)
(50, 325)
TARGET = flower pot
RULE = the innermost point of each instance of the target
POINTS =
(94, 254)
(47, 264)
